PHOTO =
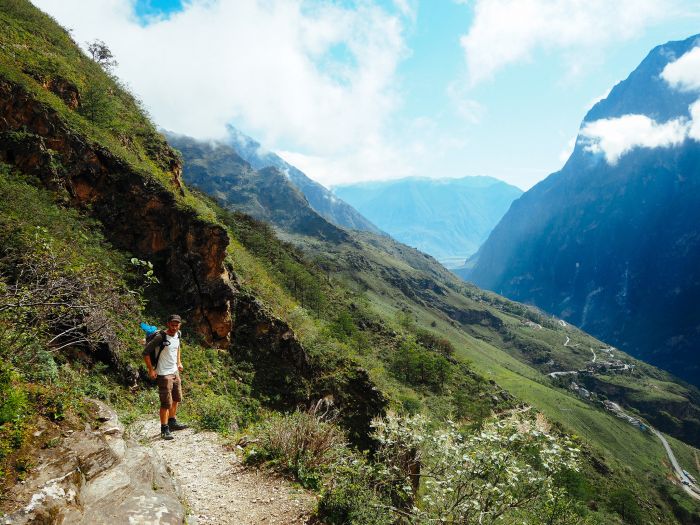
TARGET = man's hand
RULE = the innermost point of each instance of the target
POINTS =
(180, 367)
(152, 374)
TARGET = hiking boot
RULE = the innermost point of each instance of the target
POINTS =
(165, 432)
(174, 424)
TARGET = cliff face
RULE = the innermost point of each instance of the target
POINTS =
(142, 215)
(613, 246)
(139, 214)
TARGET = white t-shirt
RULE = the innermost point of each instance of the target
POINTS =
(167, 362)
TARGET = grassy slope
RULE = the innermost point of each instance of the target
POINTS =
(623, 447)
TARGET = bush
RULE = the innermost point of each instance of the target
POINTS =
(300, 443)
(214, 412)
(416, 366)
(355, 494)
(434, 342)
(506, 469)
(13, 401)
(624, 502)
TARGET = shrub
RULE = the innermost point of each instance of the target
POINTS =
(410, 403)
(434, 342)
(214, 412)
(624, 502)
(343, 327)
(416, 366)
(300, 443)
(483, 477)
(13, 401)
(355, 492)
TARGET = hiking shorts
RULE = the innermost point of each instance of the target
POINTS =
(169, 390)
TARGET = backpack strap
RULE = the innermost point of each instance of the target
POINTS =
(162, 345)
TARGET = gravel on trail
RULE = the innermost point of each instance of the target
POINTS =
(217, 488)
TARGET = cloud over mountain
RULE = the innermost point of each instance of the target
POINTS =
(684, 73)
(312, 77)
(614, 137)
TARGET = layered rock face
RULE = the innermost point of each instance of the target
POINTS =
(143, 216)
(139, 214)
(611, 242)
(95, 477)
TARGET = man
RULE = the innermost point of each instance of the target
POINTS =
(167, 346)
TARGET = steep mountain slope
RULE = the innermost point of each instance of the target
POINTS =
(611, 242)
(446, 218)
(321, 200)
(266, 194)
(93, 191)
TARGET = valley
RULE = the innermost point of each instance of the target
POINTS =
(331, 372)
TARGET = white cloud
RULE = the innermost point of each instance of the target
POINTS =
(694, 127)
(310, 76)
(469, 109)
(376, 161)
(509, 31)
(418, 151)
(615, 137)
(565, 153)
(684, 73)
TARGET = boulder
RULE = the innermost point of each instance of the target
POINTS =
(98, 477)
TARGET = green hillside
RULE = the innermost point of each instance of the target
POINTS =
(98, 232)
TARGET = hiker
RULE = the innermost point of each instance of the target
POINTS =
(164, 347)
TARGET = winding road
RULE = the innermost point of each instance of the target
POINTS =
(688, 485)
(691, 488)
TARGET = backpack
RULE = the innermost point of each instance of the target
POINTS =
(151, 333)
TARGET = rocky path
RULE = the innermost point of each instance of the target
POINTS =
(217, 488)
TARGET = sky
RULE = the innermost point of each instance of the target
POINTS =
(362, 90)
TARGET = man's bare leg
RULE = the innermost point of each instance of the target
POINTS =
(172, 413)
(164, 415)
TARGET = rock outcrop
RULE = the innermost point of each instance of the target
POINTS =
(139, 213)
(94, 477)
(288, 377)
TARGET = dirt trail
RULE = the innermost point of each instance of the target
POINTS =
(218, 489)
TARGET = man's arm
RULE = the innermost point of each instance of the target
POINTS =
(179, 362)
(151, 371)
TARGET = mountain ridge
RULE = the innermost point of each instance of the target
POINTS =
(320, 199)
(613, 249)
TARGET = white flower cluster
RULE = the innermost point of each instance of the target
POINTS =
(474, 478)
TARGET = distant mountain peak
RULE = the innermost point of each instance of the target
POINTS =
(657, 106)
(447, 218)
(331, 208)
(611, 242)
